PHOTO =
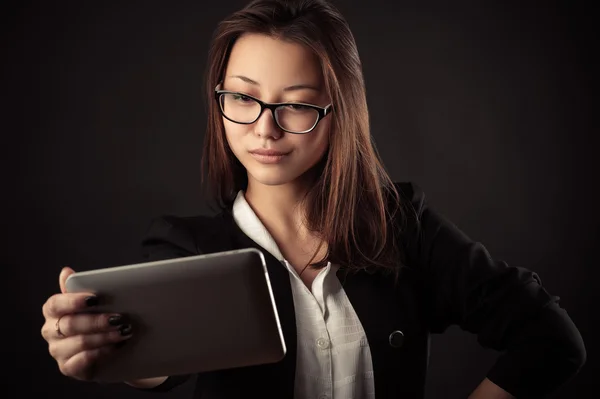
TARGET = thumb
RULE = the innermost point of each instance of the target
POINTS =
(62, 278)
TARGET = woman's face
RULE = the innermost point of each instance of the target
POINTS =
(274, 71)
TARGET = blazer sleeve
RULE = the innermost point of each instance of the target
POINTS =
(169, 237)
(505, 306)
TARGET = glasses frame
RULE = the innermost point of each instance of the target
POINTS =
(322, 111)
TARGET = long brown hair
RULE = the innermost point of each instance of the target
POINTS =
(353, 203)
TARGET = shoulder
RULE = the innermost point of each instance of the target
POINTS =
(422, 230)
(411, 195)
(184, 232)
(408, 208)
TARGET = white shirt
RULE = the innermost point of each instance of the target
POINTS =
(333, 356)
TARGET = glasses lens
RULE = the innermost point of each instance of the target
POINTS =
(296, 118)
(239, 108)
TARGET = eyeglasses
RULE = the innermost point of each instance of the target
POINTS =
(297, 118)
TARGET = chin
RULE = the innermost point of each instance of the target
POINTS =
(278, 174)
(272, 177)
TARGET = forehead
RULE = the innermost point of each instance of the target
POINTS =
(273, 63)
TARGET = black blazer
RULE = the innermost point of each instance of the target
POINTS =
(449, 280)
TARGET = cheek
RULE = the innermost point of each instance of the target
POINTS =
(310, 148)
(234, 134)
(316, 147)
(319, 142)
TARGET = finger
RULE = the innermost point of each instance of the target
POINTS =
(89, 323)
(66, 348)
(61, 304)
(62, 278)
(81, 366)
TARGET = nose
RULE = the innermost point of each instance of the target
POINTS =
(266, 127)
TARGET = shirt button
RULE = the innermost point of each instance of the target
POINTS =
(323, 343)
(396, 339)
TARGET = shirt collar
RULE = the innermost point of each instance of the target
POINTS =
(251, 225)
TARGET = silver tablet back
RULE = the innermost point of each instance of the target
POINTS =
(189, 315)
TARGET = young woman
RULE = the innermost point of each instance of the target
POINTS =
(363, 270)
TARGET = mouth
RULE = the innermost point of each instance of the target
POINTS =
(268, 156)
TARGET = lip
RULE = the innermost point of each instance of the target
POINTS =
(264, 151)
(267, 156)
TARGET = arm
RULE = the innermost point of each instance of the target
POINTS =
(488, 390)
(147, 383)
(505, 306)
(159, 384)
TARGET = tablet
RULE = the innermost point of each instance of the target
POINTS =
(189, 315)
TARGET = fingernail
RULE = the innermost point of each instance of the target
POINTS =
(115, 320)
(125, 330)
(91, 301)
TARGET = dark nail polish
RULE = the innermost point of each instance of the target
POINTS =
(125, 330)
(116, 320)
(91, 301)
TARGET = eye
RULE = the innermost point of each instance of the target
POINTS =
(297, 108)
(241, 98)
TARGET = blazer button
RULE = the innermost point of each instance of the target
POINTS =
(396, 339)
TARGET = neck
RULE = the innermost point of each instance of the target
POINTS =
(280, 208)
(282, 211)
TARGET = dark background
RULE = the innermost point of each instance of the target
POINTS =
(487, 106)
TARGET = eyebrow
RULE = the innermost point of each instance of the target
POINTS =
(289, 88)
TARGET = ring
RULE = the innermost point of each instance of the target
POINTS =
(60, 334)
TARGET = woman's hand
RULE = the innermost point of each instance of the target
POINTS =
(488, 390)
(77, 339)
